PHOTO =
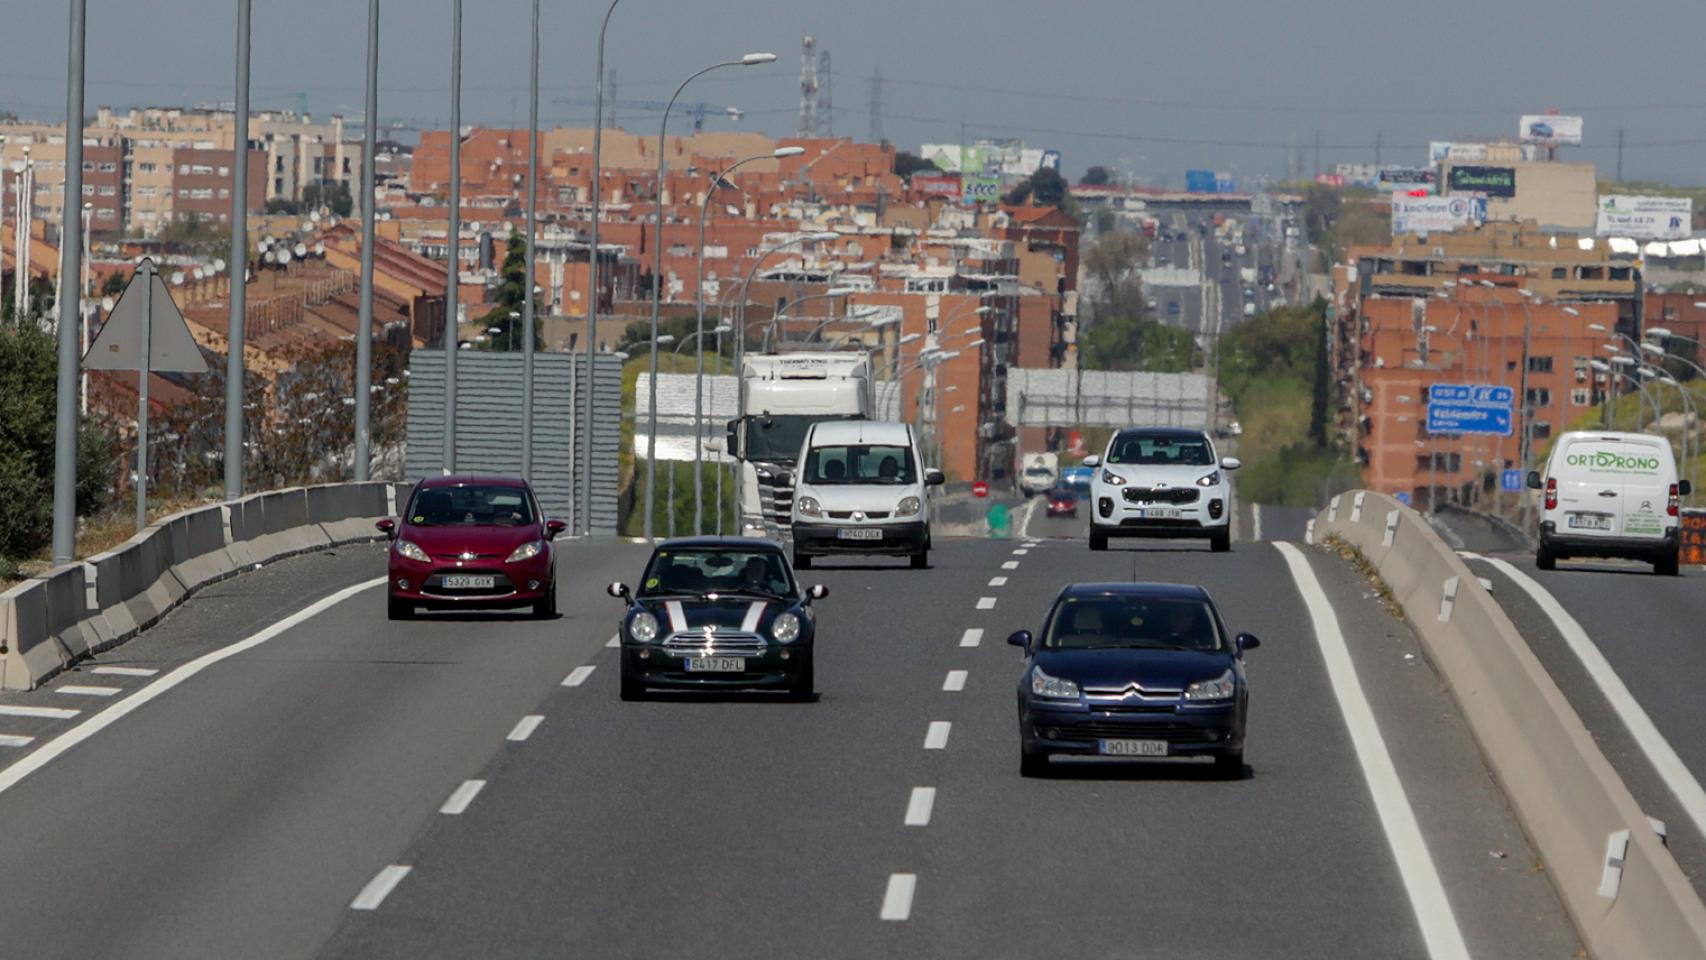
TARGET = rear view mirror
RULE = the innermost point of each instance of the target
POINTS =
(554, 527)
(1020, 639)
(1684, 488)
(1534, 480)
(1230, 463)
(1092, 461)
(387, 526)
(816, 591)
(934, 477)
(1247, 641)
(733, 439)
(618, 589)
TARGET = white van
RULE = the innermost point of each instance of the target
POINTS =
(861, 488)
(1610, 495)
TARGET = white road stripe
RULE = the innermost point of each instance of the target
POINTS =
(80, 690)
(577, 676)
(45, 713)
(897, 899)
(14, 740)
(462, 796)
(1415, 864)
(973, 637)
(936, 738)
(955, 682)
(1010, 565)
(919, 806)
(998, 581)
(1659, 752)
(525, 728)
(614, 641)
(986, 603)
(125, 671)
(380, 887)
(12, 775)
(1020, 552)
(1255, 521)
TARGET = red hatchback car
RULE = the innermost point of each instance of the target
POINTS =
(472, 542)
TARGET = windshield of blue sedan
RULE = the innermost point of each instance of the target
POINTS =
(860, 463)
(474, 505)
(1132, 622)
(695, 571)
(1160, 450)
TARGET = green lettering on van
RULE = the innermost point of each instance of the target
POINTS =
(1606, 460)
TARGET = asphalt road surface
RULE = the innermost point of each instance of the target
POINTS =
(463, 786)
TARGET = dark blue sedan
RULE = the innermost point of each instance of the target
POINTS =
(1133, 670)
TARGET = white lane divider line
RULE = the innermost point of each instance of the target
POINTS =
(986, 603)
(936, 738)
(125, 671)
(80, 690)
(1021, 552)
(525, 728)
(998, 581)
(973, 637)
(897, 899)
(918, 808)
(15, 740)
(380, 887)
(12, 775)
(614, 641)
(577, 676)
(45, 713)
(462, 796)
(1010, 565)
(1255, 519)
(1659, 752)
(955, 682)
(1415, 864)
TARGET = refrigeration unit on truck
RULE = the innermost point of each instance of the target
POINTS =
(782, 395)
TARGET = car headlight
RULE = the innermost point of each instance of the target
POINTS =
(526, 551)
(413, 552)
(909, 507)
(1043, 685)
(785, 628)
(643, 627)
(1220, 688)
(1213, 479)
(809, 507)
(1112, 478)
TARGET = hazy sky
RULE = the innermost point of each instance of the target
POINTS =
(1154, 87)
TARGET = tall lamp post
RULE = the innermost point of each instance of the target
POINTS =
(532, 253)
(364, 322)
(70, 249)
(453, 240)
(583, 515)
(751, 59)
(782, 311)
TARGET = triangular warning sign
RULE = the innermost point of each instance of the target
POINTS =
(119, 344)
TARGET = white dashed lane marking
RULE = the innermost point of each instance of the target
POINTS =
(79, 690)
(937, 736)
(525, 728)
(577, 676)
(1010, 565)
(14, 740)
(998, 581)
(955, 682)
(125, 671)
(380, 887)
(986, 603)
(1020, 552)
(919, 806)
(462, 796)
(973, 637)
(46, 713)
(615, 639)
(897, 899)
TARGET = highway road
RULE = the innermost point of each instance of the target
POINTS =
(462, 786)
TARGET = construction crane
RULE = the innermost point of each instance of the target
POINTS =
(697, 110)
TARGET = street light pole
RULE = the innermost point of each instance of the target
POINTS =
(364, 321)
(453, 268)
(83, 311)
(237, 318)
(583, 520)
(532, 253)
(70, 249)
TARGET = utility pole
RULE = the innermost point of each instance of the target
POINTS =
(1379, 138)
(1317, 150)
(364, 323)
(875, 133)
(447, 462)
(70, 252)
(237, 318)
(1619, 154)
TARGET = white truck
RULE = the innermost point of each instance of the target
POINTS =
(781, 396)
(1038, 473)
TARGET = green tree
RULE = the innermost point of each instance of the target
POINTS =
(1111, 265)
(1129, 343)
(511, 297)
(115, 284)
(1096, 176)
(907, 164)
(332, 194)
(195, 234)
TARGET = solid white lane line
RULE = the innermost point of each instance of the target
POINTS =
(577, 676)
(14, 740)
(919, 806)
(80, 690)
(936, 737)
(998, 581)
(1025, 520)
(10, 776)
(986, 603)
(973, 637)
(614, 641)
(46, 713)
(1010, 565)
(462, 796)
(380, 887)
(125, 671)
(1659, 752)
(525, 728)
(897, 899)
(1415, 864)
(955, 682)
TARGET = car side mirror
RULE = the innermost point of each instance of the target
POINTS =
(1092, 461)
(619, 590)
(388, 527)
(554, 527)
(785, 477)
(1230, 463)
(1534, 480)
(1684, 488)
(732, 437)
(1247, 641)
(816, 591)
(934, 477)
(1020, 639)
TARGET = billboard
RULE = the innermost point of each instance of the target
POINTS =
(1550, 128)
(1225, 184)
(980, 189)
(1645, 218)
(1395, 178)
(1435, 214)
(1492, 181)
(1444, 150)
(1357, 174)
(1329, 180)
(953, 158)
(937, 186)
(1200, 181)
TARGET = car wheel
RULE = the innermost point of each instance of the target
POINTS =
(632, 689)
(545, 608)
(1098, 541)
(1230, 766)
(1545, 559)
(399, 610)
(921, 559)
(1221, 542)
(802, 561)
(1667, 565)
(1033, 764)
(805, 685)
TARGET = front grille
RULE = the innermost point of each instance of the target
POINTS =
(721, 643)
(848, 514)
(470, 556)
(1135, 707)
(1101, 730)
(1161, 494)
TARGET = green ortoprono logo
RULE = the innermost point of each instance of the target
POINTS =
(1606, 460)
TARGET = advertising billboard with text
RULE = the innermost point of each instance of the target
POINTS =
(1550, 128)
(1492, 181)
(1645, 218)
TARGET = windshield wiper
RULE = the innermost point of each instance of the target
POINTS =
(748, 592)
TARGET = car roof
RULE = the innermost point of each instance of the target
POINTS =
(860, 431)
(461, 479)
(725, 543)
(1140, 589)
(1176, 433)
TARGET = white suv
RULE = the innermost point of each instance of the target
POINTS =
(1161, 482)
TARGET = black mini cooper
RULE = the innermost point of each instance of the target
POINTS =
(717, 613)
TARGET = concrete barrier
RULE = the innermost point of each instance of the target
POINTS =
(82, 608)
(1621, 886)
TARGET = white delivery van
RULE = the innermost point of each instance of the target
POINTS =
(862, 488)
(1610, 495)
(1041, 473)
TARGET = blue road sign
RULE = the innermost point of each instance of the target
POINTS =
(1200, 181)
(1510, 481)
(1469, 418)
(1403, 497)
(1485, 395)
